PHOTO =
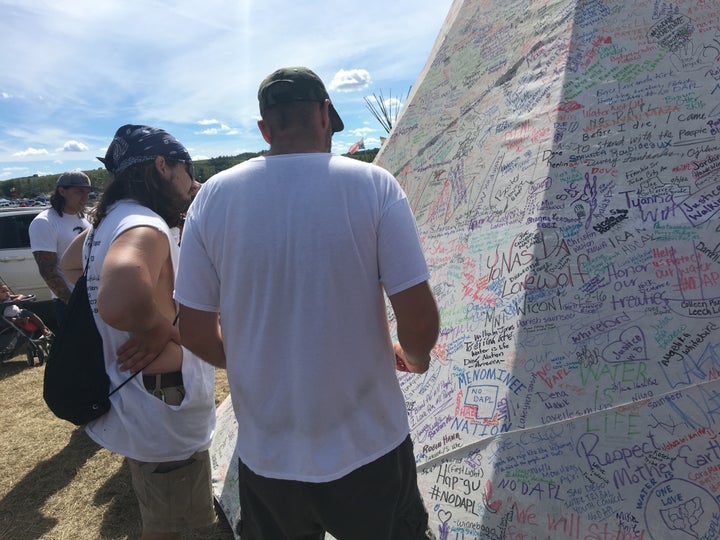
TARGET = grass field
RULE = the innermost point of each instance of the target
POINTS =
(56, 482)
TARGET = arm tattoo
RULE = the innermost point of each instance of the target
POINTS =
(49, 267)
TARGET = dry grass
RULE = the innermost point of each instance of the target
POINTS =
(56, 482)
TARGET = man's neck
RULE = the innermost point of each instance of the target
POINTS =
(278, 152)
(300, 141)
(70, 212)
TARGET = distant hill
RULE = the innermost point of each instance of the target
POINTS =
(32, 186)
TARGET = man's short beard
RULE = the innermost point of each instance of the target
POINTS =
(174, 199)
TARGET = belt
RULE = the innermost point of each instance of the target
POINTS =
(162, 380)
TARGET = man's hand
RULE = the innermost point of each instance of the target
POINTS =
(401, 361)
(418, 326)
(142, 348)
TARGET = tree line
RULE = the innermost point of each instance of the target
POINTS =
(29, 187)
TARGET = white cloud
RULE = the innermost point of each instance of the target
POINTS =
(350, 80)
(5, 95)
(392, 104)
(75, 146)
(208, 122)
(13, 172)
(362, 132)
(31, 152)
(222, 128)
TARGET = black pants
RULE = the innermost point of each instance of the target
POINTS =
(379, 501)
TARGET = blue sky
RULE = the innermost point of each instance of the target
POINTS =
(73, 71)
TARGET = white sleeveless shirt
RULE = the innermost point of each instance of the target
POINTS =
(139, 425)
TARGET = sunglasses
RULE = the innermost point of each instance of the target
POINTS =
(188, 167)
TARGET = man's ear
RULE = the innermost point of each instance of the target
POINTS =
(265, 130)
(161, 166)
(325, 110)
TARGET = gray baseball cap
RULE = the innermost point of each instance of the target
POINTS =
(73, 178)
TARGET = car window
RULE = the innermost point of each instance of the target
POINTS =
(14, 231)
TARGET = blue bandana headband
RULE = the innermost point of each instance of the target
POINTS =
(136, 144)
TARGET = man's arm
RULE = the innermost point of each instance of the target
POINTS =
(71, 262)
(418, 325)
(126, 298)
(48, 265)
(201, 334)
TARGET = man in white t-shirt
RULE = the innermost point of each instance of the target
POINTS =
(52, 231)
(283, 268)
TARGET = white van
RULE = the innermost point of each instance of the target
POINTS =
(17, 264)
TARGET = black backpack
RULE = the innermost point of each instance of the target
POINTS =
(76, 386)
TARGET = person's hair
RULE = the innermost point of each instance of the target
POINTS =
(291, 115)
(57, 201)
(142, 182)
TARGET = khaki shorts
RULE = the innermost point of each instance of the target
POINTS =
(176, 495)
